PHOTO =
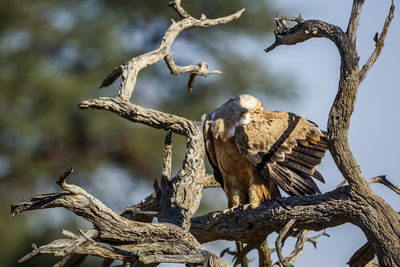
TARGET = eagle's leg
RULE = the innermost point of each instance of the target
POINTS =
(235, 198)
(258, 191)
(239, 248)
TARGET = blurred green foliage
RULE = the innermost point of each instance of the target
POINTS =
(55, 54)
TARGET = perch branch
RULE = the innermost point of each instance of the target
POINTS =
(379, 43)
(317, 212)
(130, 69)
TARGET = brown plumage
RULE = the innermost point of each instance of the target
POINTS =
(254, 150)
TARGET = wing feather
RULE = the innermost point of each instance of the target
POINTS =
(209, 143)
(284, 147)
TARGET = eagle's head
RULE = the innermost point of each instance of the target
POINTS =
(248, 102)
(231, 114)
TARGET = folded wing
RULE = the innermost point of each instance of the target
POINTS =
(284, 147)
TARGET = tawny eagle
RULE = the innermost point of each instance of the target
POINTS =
(253, 151)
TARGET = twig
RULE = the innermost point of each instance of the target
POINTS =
(194, 70)
(278, 243)
(382, 180)
(227, 251)
(298, 19)
(342, 183)
(63, 178)
(242, 252)
(176, 4)
(296, 252)
(379, 43)
(69, 234)
(313, 240)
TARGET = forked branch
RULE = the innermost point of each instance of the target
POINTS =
(298, 249)
(130, 69)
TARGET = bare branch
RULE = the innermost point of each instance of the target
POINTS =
(379, 43)
(69, 234)
(130, 69)
(144, 211)
(147, 209)
(297, 250)
(278, 243)
(166, 172)
(315, 212)
(130, 255)
(353, 21)
(264, 255)
(382, 180)
(63, 178)
(176, 4)
(362, 256)
(342, 183)
(313, 240)
(299, 19)
(199, 69)
(343, 106)
(303, 31)
(136, 113)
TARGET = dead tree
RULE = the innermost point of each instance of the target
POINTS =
(177, 237)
